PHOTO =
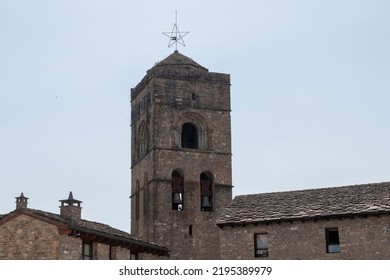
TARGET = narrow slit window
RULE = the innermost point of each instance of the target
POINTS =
(190, 230)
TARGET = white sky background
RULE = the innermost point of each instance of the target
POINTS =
(310, 93)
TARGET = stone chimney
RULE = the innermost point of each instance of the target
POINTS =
(21, 201)
(70, 208)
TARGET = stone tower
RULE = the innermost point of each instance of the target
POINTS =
(181, 175)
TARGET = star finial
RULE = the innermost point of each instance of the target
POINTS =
(175, 36)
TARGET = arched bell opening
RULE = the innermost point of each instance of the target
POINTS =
(177, 190)
(206, 191)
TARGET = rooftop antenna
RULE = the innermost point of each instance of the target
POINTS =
(175, 36)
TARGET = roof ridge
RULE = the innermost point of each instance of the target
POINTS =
(317, 189)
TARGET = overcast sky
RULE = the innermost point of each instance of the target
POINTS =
(310, 93)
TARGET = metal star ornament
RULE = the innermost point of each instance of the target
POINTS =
(175, 36)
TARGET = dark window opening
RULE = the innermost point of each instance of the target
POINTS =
(261, 245)
(190, 230)
(332, 240)
(177, 191)
(87, 251)
(206, 192)
(189, 136)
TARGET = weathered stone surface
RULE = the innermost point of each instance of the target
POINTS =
(296, 223)
(174, 92)
(360, 238)
(33, 234)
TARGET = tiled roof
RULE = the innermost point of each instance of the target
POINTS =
(104, 231)
(113, 233)
(308, 204)
(177, 59)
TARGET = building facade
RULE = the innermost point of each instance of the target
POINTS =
(30, 234)
(351, 222)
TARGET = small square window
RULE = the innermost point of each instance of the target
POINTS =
(332, 240)
(261, 245)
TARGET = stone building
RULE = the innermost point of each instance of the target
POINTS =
(34, 234)
(351, 222)
(181, 193)
(180, 157)
(181, 185)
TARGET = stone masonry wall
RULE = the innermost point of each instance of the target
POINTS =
(360, 238)
(208, 102)
(26, 238)
(190, 233)
(119, 253)
(69, 248)
(100, 251)
(170, 95)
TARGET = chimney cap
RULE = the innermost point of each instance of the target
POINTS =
(21, 201)
(70, 200)
(21, 196)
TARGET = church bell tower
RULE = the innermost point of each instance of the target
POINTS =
(181, 162)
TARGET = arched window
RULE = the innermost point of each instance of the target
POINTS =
(189, 136)
(190, 131)
(177, 191)
(206, 191)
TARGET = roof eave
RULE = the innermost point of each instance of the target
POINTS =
(132, 244)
